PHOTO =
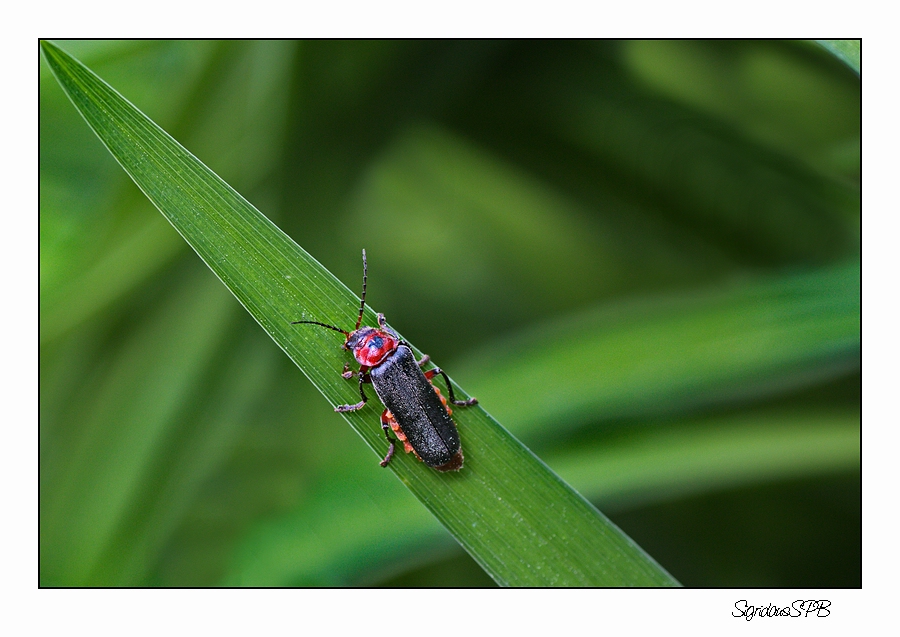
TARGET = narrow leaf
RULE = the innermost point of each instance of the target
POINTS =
(315, 545)
(520, 521)
(661, 356)
(847, 51)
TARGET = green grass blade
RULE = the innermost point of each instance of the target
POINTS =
(659, 358)
(520, 521)
(663, 463)
(847, 51)
(315, 545)
(656, 357)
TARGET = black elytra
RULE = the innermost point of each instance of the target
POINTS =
(416, 407)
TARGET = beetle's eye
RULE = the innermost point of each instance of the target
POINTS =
(376, 343)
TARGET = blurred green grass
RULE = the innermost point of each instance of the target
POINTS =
(526, 206)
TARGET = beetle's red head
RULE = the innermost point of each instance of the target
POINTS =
(370, 345)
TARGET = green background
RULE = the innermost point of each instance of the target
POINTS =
(642, 257)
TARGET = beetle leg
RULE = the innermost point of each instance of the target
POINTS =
(343, 408)
(363, 378)
(348, 373)
(386, 426)
(425, 358)
(431, 373)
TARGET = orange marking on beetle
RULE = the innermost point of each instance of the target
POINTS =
(395, 426)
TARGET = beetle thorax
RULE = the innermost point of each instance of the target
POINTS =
(370, 345)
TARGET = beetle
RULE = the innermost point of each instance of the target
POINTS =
(415, 409)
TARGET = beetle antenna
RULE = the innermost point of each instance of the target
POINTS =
(331, 327)
(362, 303)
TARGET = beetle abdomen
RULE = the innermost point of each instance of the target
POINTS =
(412, 401)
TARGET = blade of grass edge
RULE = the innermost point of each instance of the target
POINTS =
(651, 466)
(518, 520)
(847, 51)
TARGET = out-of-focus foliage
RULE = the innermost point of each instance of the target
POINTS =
(497, 508)
(669, 228)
